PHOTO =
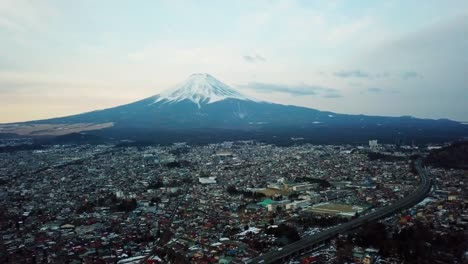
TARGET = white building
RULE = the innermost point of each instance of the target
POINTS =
(373, 144)
(208, 180)
(304, 187)
(297, 204)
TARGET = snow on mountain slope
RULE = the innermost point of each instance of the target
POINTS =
(200, 88)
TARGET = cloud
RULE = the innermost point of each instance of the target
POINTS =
(409, 75)
(354, 73)
(340, 33)
(22, 16)
(374, 90)
(383, 75)
(254, 59)
(333, 95)
(294, 90)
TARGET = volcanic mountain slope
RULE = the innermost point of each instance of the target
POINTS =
(200, 102)
(205, 104)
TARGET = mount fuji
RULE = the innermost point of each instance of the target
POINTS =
(203, 109)
(200, 88)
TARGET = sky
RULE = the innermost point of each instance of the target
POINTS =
(388, 58)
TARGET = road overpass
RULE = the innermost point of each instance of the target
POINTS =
(309, 242)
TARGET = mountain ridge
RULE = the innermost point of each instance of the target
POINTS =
(204, 105)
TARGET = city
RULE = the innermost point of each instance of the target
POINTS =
(219, 203)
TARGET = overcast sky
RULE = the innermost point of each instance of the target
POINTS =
(358, 57)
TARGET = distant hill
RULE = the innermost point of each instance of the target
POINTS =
(453, 156)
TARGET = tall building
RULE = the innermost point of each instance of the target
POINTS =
(373, 144)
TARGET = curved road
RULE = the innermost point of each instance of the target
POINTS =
(309, 241)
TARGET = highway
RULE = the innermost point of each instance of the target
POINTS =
(277, 256)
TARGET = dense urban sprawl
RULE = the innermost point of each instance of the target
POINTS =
(217, 203)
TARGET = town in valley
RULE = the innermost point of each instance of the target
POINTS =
(226, 202)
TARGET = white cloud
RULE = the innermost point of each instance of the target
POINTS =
(348, 31)
(23, 15)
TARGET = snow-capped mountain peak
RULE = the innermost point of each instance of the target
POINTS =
(200, 88)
